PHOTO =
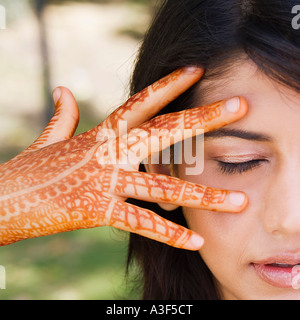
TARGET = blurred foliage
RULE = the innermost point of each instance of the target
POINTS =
(14, 7)
(85, 264)
(151, 4)
(144, 2)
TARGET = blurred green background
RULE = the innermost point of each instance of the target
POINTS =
(89, 47)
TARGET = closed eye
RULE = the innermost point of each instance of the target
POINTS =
(239, 167)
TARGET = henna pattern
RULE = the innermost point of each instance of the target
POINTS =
(162, 188)
(167, 80)
(120, 113)
(159, 132)
(57, 123)
(74, 184)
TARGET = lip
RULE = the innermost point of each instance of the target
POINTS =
(285, 276)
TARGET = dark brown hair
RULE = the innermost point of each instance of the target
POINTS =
(212, 34)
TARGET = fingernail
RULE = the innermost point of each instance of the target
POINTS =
(194, 70)
(196, 241)
(233, 105)
(56, 95)
(237, 199)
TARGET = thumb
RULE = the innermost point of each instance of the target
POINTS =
(62, 125)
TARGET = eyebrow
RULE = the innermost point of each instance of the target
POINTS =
(242, 134)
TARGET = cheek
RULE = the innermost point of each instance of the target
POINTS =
(228, 236)
(228, 242)
(223, 233)
(231, 239)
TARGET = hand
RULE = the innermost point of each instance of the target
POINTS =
(62, 184)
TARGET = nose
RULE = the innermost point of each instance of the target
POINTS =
(281, 214)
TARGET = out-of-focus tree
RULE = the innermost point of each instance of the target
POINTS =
(39, 7)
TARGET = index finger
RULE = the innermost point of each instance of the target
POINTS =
(145, 104)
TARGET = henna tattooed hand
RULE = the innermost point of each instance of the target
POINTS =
(62, 183)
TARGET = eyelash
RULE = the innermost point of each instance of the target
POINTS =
(239, 167)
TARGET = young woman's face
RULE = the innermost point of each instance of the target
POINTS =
(254, 254)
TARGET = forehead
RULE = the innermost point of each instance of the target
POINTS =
(242, 78)
(274, 109)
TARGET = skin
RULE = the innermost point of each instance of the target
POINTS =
(63, 184)
(270, 225)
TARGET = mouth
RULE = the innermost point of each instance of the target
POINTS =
(281, 271)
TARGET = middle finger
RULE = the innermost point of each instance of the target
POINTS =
(165, 189)
(154, 136)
